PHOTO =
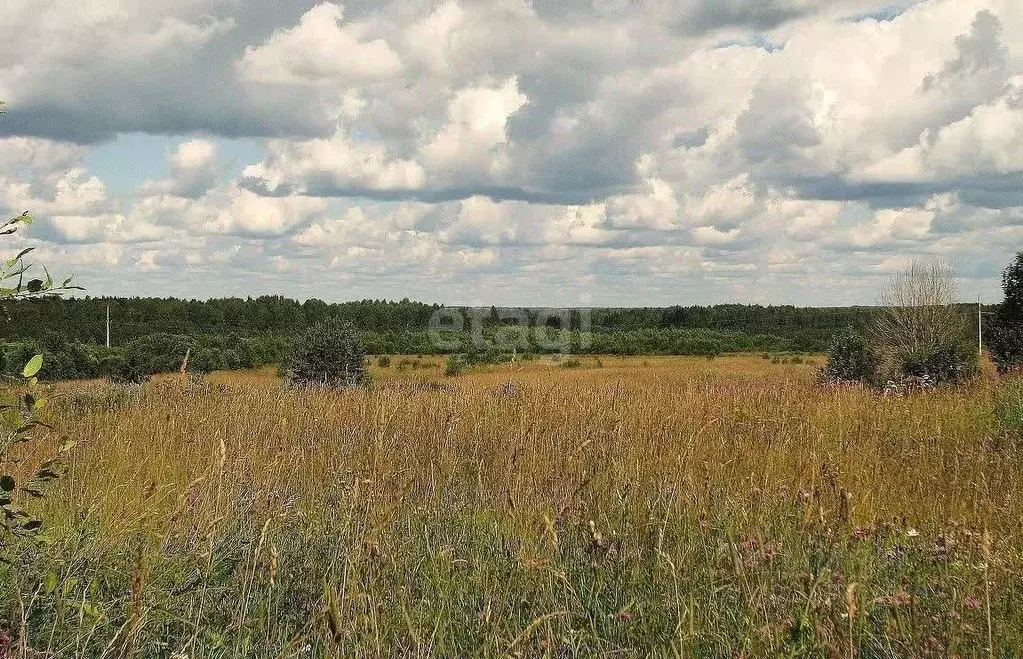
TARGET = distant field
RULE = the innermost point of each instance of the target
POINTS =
(611, 506)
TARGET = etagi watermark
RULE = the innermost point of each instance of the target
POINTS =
(511, 330)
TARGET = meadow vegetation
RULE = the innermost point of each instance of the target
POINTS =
(655, 506)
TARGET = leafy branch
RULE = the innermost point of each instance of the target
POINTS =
(20, 419)
(17, 269)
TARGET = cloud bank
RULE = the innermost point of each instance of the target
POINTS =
(574, 152)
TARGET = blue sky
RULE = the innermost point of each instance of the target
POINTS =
(130, 159)
(515, 151)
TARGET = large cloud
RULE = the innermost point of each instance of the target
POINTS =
(694, 149)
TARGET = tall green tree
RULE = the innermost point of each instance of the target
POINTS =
(1006, 335)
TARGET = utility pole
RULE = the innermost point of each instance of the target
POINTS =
(980, 326)
(108, 326)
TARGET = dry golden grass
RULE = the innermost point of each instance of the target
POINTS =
(646, 505)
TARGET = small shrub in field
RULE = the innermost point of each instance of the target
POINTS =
(330, 355)
(850, 359)
(152, 354)
(384, 361)
(943, 365)
(454, 366)
(571, 363)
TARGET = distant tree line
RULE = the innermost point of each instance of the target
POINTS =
(151, 335)
(83, 319)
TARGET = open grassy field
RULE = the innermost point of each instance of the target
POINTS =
(620, 507)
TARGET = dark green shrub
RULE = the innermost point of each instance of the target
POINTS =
(111, 364)
(454, 365)
(384, 361)
(207, 360)
(234, 359)
(943, 365)
(850, 359)
(329, 354)
(154, 353)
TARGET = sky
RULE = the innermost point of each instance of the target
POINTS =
(515, 152)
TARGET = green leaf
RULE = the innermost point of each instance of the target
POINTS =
(33, 366)
(91, 610)
(11, 262)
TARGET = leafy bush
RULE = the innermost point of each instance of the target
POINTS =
(207, 360)
(942, 365)
(384, 361)
(850, 359)
(454, 365)
(328, 355)
(152, 354)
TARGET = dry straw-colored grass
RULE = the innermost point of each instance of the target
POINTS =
(630, 506)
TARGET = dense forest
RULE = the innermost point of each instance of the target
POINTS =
(84, 319)
(152, 334)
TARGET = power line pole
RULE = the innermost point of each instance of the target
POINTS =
(108, 326)
(980, 326)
